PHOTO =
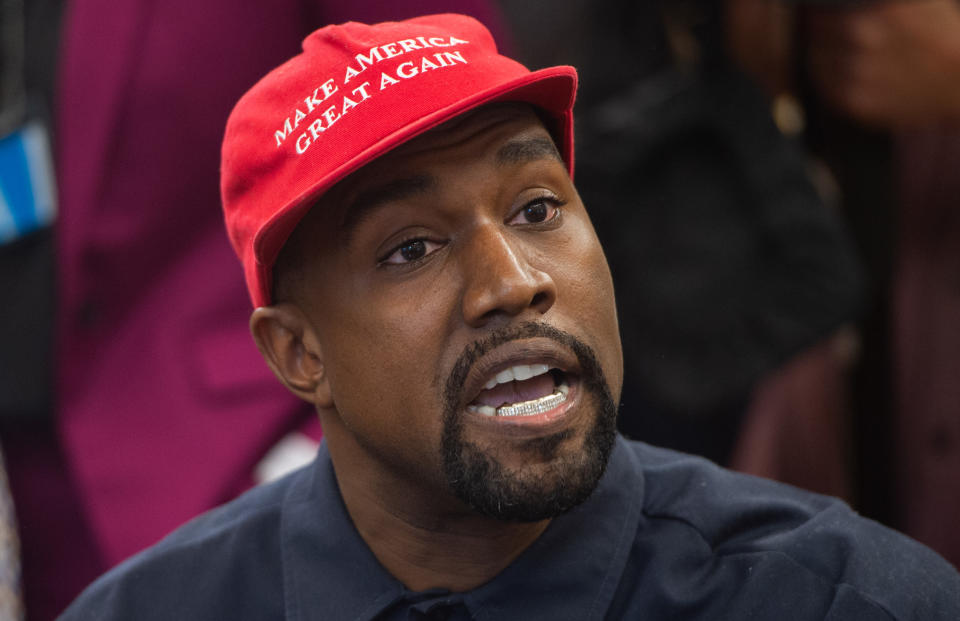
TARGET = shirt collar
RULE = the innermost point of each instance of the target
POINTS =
(570, 572)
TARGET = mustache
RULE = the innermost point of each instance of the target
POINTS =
(592, 373)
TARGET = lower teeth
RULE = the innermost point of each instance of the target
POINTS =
(529, 408)
(526, 408)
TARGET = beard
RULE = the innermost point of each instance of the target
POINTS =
(478, 479)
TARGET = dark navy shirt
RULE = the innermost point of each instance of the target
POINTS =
(664, 536)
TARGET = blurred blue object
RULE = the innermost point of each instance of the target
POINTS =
(27, 194)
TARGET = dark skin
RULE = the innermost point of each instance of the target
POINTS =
(892, 64)
(470, 228)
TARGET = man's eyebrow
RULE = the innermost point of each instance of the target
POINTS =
(527, 150)
(376, 197)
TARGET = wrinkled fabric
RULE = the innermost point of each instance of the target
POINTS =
(664, 536)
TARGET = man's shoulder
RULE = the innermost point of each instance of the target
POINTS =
(712, 499)
(233, 550)
(753, 523)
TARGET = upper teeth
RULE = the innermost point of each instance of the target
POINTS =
(519, 372)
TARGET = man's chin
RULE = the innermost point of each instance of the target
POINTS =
(534, 480)
(536, 465)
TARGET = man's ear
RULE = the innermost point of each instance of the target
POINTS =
(289, 344)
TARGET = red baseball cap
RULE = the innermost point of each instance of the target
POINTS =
(354, 93)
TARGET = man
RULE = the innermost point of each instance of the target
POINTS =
(425, 274)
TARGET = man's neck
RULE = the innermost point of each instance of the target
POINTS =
(423, 540)
(453, 552)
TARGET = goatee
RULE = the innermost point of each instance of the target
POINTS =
(488, 486)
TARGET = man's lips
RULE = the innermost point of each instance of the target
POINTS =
(520, 378)
(522, 390)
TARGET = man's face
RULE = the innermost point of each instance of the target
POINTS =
(466, 317)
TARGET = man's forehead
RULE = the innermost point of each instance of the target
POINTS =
(406, 170)
(475, 122)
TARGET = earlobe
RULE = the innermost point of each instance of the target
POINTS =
(289, 344)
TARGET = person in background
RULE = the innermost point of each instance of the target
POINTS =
(876, 86)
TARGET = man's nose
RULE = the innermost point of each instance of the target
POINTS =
(500, 280)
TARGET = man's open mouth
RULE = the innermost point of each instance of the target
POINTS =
(522, 390)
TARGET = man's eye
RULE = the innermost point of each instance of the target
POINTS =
(536, 211)
(410, 251)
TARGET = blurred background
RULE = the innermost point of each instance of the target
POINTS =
(776, 184)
